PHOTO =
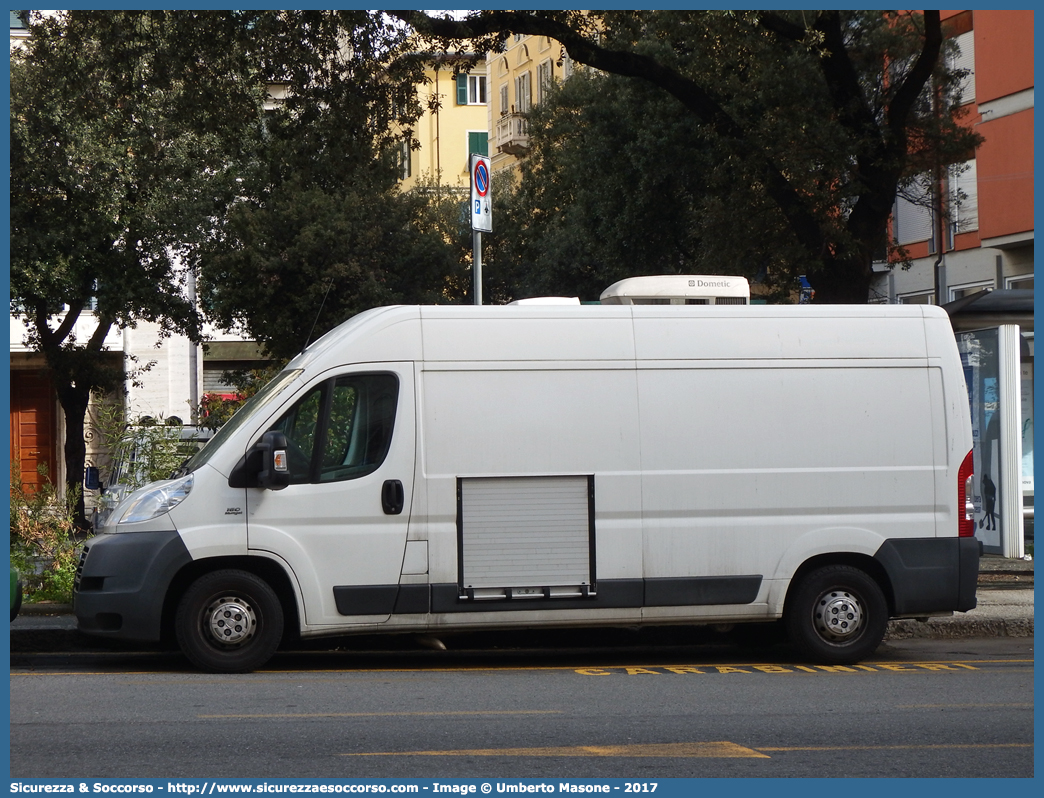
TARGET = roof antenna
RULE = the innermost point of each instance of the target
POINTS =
(329, 285)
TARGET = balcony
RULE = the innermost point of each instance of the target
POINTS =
(513, 134)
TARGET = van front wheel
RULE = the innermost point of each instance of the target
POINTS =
(229, 622)
(837, 615)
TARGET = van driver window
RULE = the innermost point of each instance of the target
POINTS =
(341, 429)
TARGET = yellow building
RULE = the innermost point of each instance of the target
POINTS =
(518, 79)
(454, 125)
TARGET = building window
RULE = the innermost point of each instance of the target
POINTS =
(919, 298)
(478, 143)
(912, 219)
(964, 60)
(405, 160)
(1021, 281)
(544, 78)
(963, 197)
(524, 92)
(961, 291)
(504, 109)
(471, 89)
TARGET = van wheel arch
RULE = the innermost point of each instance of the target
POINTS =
(268, 570)
(836, 614)
(867, 564)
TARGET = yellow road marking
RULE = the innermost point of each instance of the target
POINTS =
(717, 750)
(383, 714)
(939, 747)
(910, 667)
(1022, 705)
(709, 750)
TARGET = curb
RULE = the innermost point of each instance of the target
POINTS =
(46, 609)
(948, 629)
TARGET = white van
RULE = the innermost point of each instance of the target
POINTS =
(439, 469)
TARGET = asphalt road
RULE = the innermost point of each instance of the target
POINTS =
(920, 708)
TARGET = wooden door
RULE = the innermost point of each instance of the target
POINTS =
(34, 426)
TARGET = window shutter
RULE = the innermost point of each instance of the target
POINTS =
(913, 222)
(462, 89)
(965, 60)
(478, 142)
(964, 197)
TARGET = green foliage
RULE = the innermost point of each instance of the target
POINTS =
(214, 410)
(248, 144)
(298, 264)
(320, 230)
(42, 545)
(124, 131)
(127, 128)
(141, 450)
(769, 144)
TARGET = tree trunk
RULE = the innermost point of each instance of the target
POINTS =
(842, 282)
(74, 403)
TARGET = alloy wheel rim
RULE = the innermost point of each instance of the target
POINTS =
(229, 620)
(838, 615)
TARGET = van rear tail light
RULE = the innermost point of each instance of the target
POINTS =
(965, 508)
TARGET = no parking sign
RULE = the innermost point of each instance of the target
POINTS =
(481, 203)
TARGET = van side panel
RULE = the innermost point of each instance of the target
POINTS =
(738, 462)
(530, 420)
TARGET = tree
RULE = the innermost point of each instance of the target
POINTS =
(320, 230)
(617, 182)
(125, 127)
(250, 149)
(813, 120)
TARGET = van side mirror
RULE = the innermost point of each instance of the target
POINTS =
(275, 462)
(265, 465)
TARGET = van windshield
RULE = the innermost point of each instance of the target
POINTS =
(257, 403)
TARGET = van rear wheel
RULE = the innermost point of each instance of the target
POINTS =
(836, 615)
(229, 621)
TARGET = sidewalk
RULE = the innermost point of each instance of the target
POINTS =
(1005, 609)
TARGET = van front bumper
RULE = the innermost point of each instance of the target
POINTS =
(122, 581)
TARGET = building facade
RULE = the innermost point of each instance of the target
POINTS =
(519, 79)
(984, 237)
(453, 126)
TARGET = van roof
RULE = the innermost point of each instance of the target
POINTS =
(588, 333)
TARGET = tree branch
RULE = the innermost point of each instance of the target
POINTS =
(54, 338)
(909, 90)
(584, 50)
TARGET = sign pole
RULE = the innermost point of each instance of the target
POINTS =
(476, 265)
(481, 217)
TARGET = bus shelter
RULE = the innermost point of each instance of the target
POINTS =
(994, 332)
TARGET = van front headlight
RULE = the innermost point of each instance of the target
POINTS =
(153, 501)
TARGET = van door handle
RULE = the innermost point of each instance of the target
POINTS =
(393, 497)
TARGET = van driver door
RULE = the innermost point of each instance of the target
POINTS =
(341, 523)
